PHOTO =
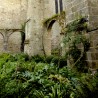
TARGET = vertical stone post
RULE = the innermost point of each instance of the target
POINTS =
(34, 27)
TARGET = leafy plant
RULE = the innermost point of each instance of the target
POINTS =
(38, 58)
(48, 59)
(21, 57)
(28, 79)
(77, 44)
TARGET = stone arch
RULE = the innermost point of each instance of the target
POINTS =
(48, 36)
(51, 25)
(14, 42)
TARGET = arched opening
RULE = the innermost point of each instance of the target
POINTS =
(14, 42)
(52, 38)
(55, 39)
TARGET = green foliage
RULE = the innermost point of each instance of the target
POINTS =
(6, 57)
(77, 43)
(48, 59)
(55, 60)
(28, 79)
(77, 25)
(38, 58)
(21, 57)
(55, 52)
(62, 62)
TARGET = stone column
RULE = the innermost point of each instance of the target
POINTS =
(34, 27)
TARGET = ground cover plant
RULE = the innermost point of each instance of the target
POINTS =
(23, 77)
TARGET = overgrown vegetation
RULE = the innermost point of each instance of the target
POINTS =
(47, 21)
(77, 44)
(39, 77)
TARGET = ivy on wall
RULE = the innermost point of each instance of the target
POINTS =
(76, 43)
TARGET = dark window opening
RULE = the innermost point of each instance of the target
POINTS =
(56, 6)
(61, 5)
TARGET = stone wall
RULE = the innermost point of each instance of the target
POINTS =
(39, 37)
(75, 8)
(10, 41)
(14, 43)
(93, 13)
(89, 8)
(34, 27)
(52, 37)
(49, 8)
(15, 13)
(12, 13)
(12, 17)
(93, 24)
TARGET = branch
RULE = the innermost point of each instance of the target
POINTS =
(92, 29)
(79, 58)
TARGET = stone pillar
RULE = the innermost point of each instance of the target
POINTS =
(34, 29)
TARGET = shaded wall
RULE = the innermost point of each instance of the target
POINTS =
(1, 43)
(89, 8)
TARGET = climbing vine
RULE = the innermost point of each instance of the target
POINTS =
(76, 43)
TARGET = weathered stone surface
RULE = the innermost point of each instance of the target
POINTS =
(88, 8)
(14, 13)
(75, 9)
(14, 43)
